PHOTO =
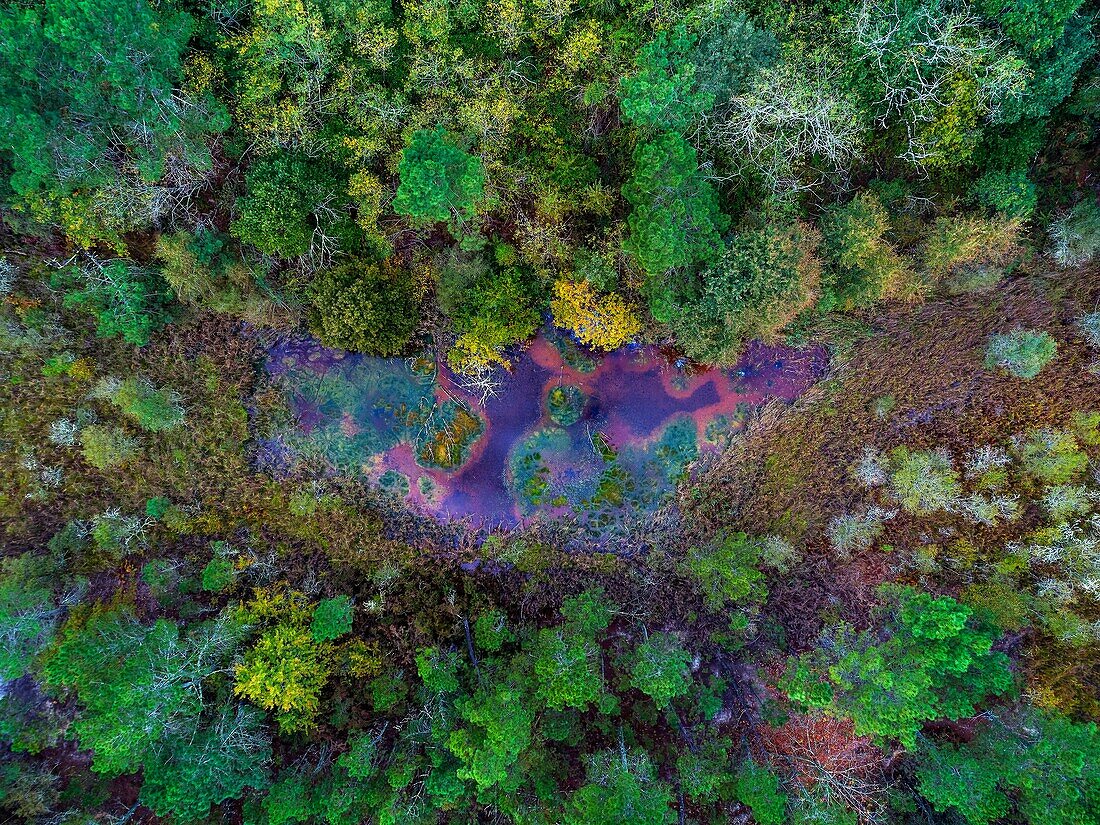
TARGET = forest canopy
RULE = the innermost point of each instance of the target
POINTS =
(253, 251)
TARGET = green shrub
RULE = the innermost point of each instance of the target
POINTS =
(1052, 456)
(154, 410)
(1090, 326)
(1075, 236)
(924, 481)
(853, 532)
(217, 575)
(1022, 353)
(1009, 192)
(970, 251)
(1063, 501)
(331, 619)
(364, 308)
(105, 447)
(203, 272)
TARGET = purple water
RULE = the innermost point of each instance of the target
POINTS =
(633, 396)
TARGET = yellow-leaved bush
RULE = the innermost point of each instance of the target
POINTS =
(600, 321)
(285, 673)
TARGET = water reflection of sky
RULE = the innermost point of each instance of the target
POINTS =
(643, 420)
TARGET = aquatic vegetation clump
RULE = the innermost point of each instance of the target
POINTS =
(447, 436)
(565, 404)
(583, 474)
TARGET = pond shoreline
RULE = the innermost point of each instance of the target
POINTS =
(643, 418)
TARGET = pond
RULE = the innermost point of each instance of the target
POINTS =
(602, 439)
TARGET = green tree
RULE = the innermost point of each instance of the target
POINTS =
(795, 125)
(218, 575)
(285, 671)
(567, 668)
(289, 799)
(660, 668)
(622, 789)
(1052, 72)
(438, 179)
(704, 773)
(138, 685)
(287, 205)
(438, 669)
(1010, 192)
(865, 266)
(490, 310)
(27, 614)
(491, 631)
(1039, 764)
(759, 788)
(363, 757)
(675, 221)
(218, 760)
(662, 92)
(1021, 353)
(726, 571)
(364, 308)
(931, 660)
(497, 729)
(566, 659)
(1034, 25)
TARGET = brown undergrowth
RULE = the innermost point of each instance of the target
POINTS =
(790, 472)
(917, 379)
